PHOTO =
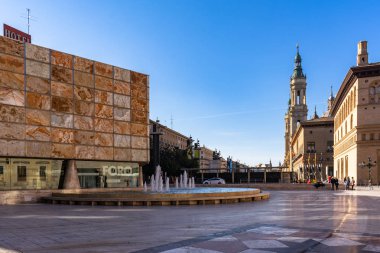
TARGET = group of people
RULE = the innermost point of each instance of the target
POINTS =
(348, 183)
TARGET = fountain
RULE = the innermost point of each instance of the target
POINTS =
(157, 184)
(159, 193)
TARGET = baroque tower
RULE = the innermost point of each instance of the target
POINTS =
(297, 108)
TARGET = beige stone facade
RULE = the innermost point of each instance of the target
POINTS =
(205, 158)
(356, 113)
(169, 137)
(312, 149)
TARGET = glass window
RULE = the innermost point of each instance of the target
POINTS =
(21, 173)
(43, 172)
(311, 147)
(330, 147)
(1, 170)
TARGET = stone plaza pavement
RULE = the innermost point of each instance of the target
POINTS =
(290, 221)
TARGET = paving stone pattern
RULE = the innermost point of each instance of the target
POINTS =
(290, 221)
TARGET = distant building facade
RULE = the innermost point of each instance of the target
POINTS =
(205, 158)
(356, 113)
(312, 149)
(169, 137)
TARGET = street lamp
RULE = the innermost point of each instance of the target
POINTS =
(369, 165)
(320, 166)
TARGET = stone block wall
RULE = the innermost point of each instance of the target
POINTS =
(57, 105)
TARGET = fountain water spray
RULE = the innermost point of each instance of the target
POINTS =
(157, 183)
(176, 182)
(167, 184)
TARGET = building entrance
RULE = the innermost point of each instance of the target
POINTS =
(88, 178)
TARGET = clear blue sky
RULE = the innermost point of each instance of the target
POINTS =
(220, 68)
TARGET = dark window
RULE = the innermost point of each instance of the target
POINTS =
(330, 147)
(43, 172)
(311, 147)
(21, 173)
(1, 170)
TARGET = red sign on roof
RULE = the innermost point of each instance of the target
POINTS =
(15, 34)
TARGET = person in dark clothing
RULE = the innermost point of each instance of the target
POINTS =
(336, 183)
(332, 180)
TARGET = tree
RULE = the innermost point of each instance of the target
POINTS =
(172, 160)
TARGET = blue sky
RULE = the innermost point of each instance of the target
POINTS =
(219, 68)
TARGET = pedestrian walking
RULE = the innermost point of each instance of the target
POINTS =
(332, 180)
(352, 183)
(336, 183)
(348, 183)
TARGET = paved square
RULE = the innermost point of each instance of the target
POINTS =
(290, 221)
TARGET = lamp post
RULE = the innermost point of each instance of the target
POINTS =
(370, 164)
(320, 166)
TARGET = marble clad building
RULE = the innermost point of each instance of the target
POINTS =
(66, 120)
(356, 113)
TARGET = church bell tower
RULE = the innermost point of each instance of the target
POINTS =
(298, 107)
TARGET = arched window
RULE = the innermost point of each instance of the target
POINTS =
(298, 97)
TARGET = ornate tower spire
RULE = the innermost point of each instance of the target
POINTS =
(330, 101)
(315, 116)
(298, 107)
(297, 72)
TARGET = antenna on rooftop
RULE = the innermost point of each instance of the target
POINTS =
(171, 121)
(29, 18)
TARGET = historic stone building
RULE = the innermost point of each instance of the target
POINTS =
(69, 122)
(356, 113)
(169, 137)
(308, 143)
(205, 158)
(312, 149)
(297, 108)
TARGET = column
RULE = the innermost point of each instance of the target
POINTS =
(71, 180)
(140, 183)
(265, 175)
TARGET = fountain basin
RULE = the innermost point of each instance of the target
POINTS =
(194, 196)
